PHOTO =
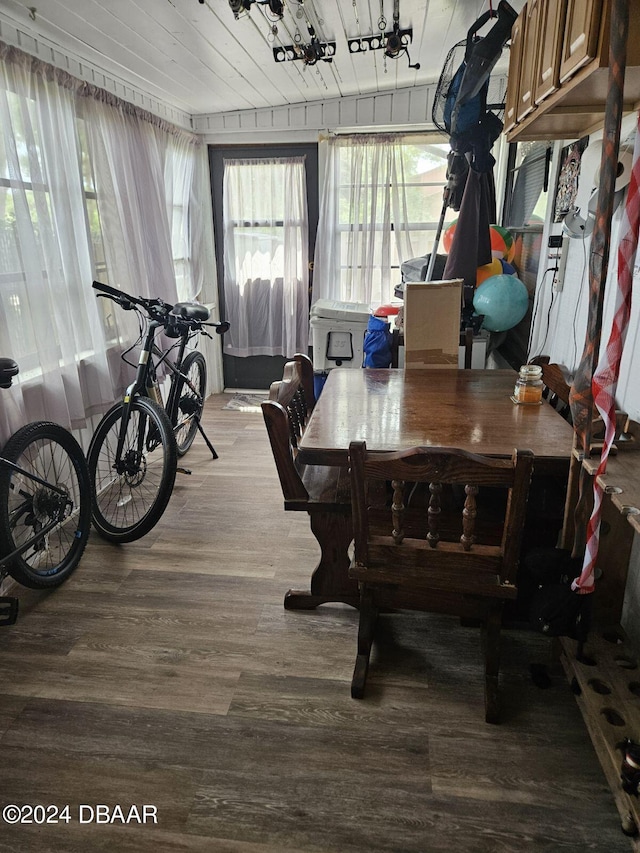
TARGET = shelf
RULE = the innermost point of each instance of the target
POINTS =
(621, 482)
(607, 690)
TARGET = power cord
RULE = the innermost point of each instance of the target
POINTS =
(537, 306)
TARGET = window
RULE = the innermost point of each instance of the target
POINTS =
(527, 187)
(421, 179)
(383, 200)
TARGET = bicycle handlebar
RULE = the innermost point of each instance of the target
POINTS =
(157, 309)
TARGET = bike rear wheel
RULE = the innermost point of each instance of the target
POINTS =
(130, 494)
(27, 507)
(187, 411)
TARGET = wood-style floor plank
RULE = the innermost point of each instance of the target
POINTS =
(168, 672)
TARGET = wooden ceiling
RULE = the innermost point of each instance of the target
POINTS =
(198, 58)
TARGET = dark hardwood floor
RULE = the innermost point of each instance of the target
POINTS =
(166, 672)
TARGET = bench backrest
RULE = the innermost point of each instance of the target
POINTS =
(285, 415)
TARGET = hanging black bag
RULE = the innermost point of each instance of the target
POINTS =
(556, 610)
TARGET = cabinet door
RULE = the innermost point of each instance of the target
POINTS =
(552, 25)
(513, 79)
(581, 35)
(530, 55)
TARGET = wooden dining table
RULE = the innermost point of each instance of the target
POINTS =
(396, 409)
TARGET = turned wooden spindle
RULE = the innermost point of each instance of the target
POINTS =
(397, 511)
(469, 517)
(433, 514)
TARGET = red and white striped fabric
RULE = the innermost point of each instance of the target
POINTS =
(605, 379)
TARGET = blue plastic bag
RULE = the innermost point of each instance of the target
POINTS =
(377, 343)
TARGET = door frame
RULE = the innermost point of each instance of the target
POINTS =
(258, 371)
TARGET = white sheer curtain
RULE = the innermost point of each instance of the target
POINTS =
(134, 166)
(203, 279)
(65, 146)
(363, 218)
(49, 321)
(266, 277)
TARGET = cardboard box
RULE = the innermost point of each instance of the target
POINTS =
(432, 323)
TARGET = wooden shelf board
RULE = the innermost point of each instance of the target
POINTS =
(621, 480)
(608, 649)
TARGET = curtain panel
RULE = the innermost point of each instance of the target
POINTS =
(363, 213)
(65, 146)
(266, 278)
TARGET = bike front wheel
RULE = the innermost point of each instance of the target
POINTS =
(50, 517)
(187, 410)
(130, 493)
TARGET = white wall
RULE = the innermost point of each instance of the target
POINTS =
(566, 312)
(568, 315)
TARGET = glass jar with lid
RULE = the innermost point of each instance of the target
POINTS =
(528, 390)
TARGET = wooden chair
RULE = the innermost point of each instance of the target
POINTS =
(306, 380)
(321, 491)
(466, 340)
(430, 569)
(556, 388)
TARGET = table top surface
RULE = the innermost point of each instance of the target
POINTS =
(397, 409)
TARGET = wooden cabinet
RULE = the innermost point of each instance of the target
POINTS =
(564, 44)
(515, 61)
(529, 63)
(551, 29)
(581, 35)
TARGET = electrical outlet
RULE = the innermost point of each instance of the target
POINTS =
(558, 276)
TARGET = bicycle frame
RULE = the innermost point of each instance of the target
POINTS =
(158, 313)
(176, 372)
(138, 386)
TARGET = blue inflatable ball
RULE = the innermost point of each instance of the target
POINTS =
(503, 300)
(507, 269)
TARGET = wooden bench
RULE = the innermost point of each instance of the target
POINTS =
(321, 491)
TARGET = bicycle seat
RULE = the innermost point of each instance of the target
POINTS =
(190, 311)
(8, 369)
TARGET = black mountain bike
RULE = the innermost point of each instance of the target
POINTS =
(45, 505)
(134, 451)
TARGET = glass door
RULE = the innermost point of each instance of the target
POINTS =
(264, 240)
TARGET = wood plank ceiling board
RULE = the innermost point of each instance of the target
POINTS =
(198, 58)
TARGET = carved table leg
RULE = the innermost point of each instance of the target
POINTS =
(330, 580)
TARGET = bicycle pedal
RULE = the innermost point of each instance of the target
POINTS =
(8, 610)
(183, 470)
